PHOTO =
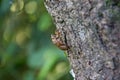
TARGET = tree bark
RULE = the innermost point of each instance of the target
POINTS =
(91, 29)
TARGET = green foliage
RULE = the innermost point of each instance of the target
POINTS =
(26, 50)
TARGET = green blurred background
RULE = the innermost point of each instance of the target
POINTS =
(26, 49)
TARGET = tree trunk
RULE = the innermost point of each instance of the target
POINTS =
(91, 29)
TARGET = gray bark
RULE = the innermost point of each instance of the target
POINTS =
(91, 28)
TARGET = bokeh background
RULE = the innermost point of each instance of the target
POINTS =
(26, 49)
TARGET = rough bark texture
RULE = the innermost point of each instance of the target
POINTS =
(91, 28)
